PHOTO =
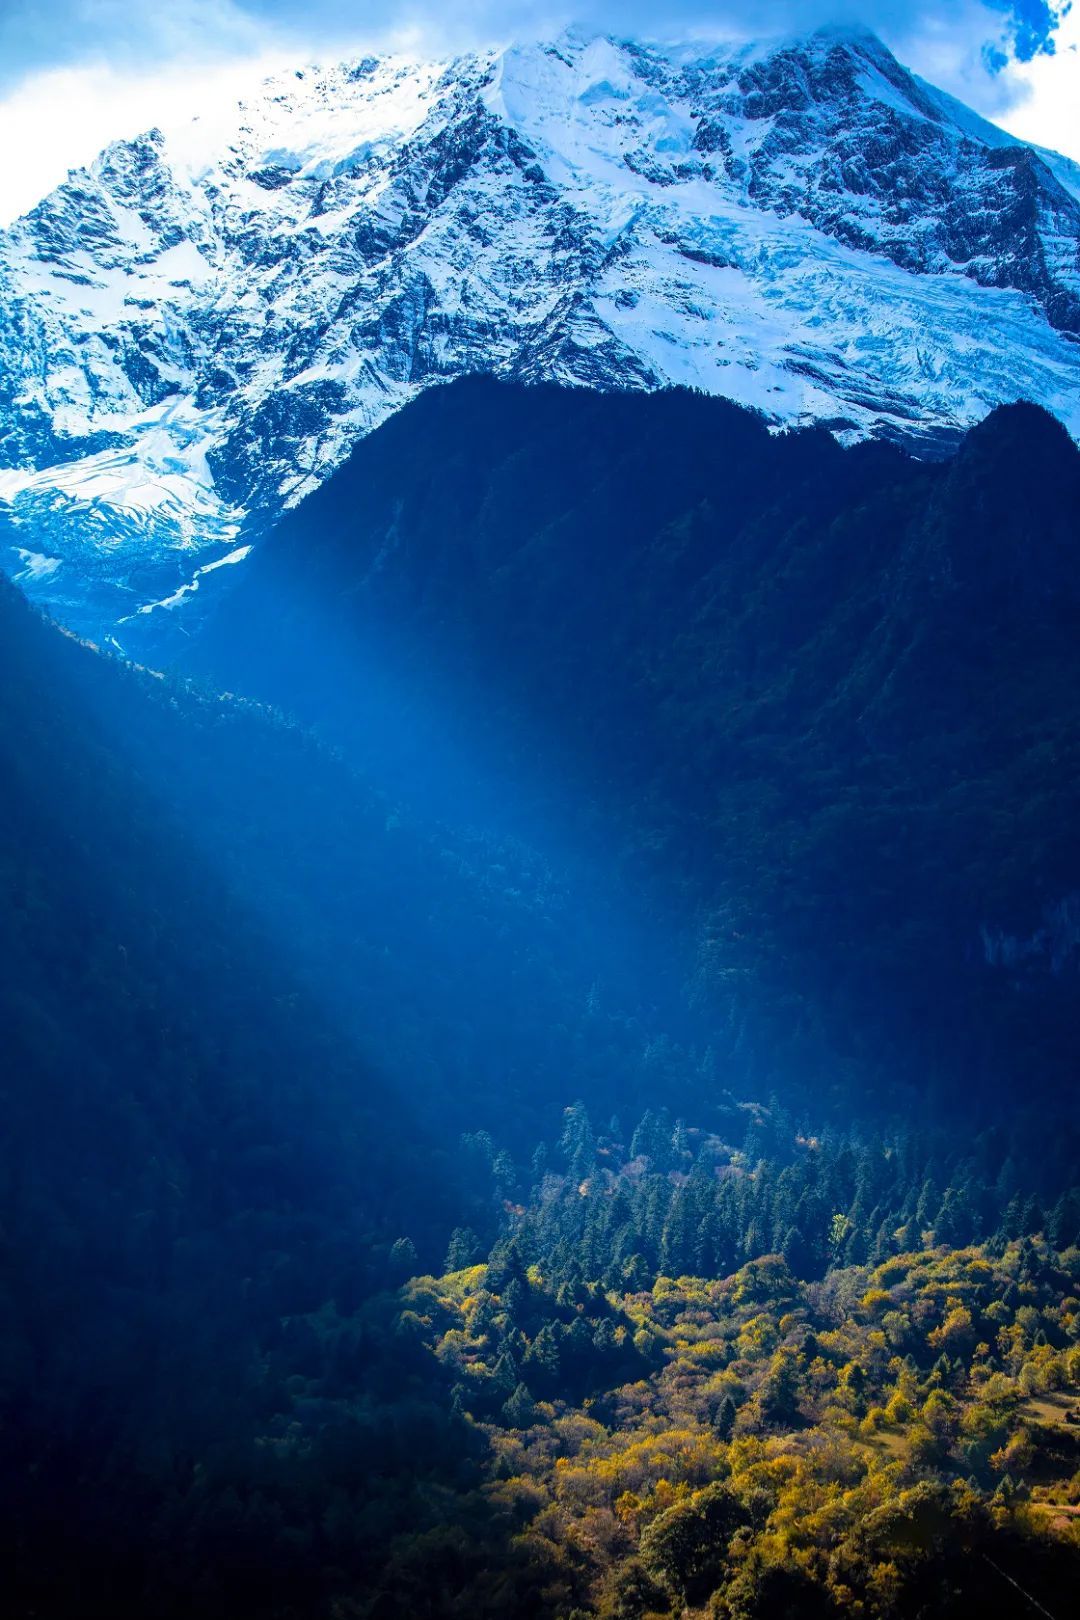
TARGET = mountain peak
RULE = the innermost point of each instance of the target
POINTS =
(1021, 416)
(1022, 453)
(197, 330)
(851, 35)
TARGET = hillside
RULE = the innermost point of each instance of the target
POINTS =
(812, 709)
(290, 1018)
(248, 1008)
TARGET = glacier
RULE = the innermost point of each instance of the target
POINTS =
(197, 329)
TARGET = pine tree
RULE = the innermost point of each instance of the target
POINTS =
(505, 1264)
(886, 1243)
(402, 1260)
(464, 1249)
(578, 1143)
(680, 1145)
(953, 1223)
(778, 1397)
(927, 1207)
(541, 1360)
(650, 1136)
(724, 1421)
(504, 1373)
(515, 1299)
(519, 1412)
(796, 1253)
(1063, 1225)
(504, 1172)
(635, 1274)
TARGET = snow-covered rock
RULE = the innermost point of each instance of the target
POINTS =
(196, 330)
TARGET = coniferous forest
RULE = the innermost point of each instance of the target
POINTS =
(540, 1040)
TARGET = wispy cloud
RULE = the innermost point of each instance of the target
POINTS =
(76, 73)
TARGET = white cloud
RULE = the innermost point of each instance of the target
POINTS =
(133, 70)
(1048, 111)
(60, 120)
(130, 68)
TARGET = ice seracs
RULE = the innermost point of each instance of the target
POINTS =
(195, 331)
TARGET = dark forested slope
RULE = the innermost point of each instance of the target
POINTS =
(247, 1009)
(816, 708)
(196, 1142)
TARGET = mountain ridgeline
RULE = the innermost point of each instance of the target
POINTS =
(814, 708)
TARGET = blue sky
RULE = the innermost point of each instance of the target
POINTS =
(77, 73)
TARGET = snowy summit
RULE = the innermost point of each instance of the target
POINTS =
(195, 331)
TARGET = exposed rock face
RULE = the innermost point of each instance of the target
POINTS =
(197, 330)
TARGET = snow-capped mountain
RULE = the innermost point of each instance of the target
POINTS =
(196, 330)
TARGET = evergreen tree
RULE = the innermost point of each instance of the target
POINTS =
(505, 1264)
(519, 1411)
(796, 1253)
(578, 1143)
(541, 1361)
(724, 1421)
(402, 1260)
(464, 1249)
(504, 1373)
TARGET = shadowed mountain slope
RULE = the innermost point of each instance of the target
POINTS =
(816, 707)
(247, 1009)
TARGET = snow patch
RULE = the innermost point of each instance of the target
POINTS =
(35, 565)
